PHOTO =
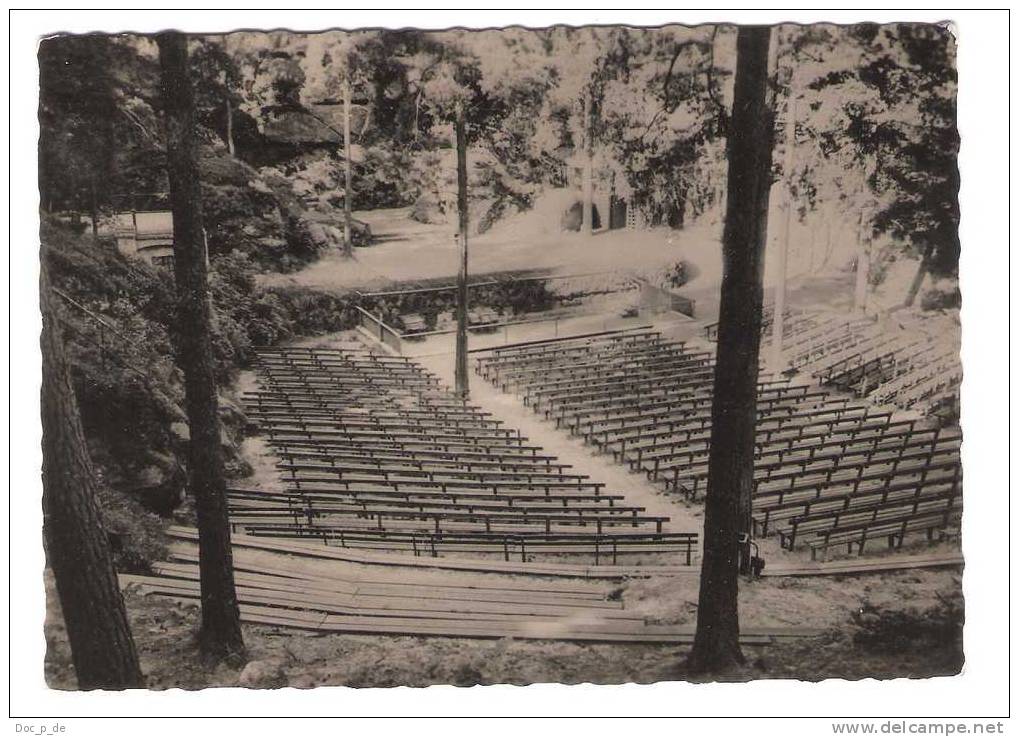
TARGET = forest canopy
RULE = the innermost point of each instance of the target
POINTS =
(873, 109)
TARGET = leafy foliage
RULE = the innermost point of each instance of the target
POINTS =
(129, 390)
(898, 123)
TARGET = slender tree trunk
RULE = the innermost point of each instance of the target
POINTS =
(862, 267)
(77, 548)
(778, 323)
(461, 375)
(914, 286)
(587, 174)
(230, 128)
(221, 630)
(734, 407)
(348, 243)
(94, 206)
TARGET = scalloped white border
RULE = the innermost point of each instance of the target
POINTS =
(982, 691)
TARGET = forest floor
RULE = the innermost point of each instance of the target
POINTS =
(847, 608)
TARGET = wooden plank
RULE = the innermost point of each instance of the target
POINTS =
(489, 590)
(879, 565)
(298, 594)
(412, 590)
(460, 564)
(682, 634)
(348, 606)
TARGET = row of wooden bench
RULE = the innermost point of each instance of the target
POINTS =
(911, 362)
(375, 452)
(828, 469)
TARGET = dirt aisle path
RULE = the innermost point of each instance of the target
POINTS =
(569, 449)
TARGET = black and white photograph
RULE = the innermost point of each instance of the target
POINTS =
(532, 354)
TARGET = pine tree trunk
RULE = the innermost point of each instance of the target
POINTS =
(94, 208)
(587, 174)
(914, 286)
(230, 128)
(862, 267)
(221, 631)
(77, 548)
(734, 407)
(460, 370)
(777, 362)
(348, 243)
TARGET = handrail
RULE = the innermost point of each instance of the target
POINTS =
(379, 320)
(104, 324)
(450, 287)
(95, 316)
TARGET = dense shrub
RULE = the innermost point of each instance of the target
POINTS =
(257, 213)
(895, 631)
(130, 392)
(941, 299)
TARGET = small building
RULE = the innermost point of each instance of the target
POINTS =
(145, 235)
(609, 210)
(655, 300)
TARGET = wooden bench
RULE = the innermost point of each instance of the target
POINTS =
(895, 531)
(608, 547)
(413, 323)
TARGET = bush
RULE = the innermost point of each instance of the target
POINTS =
(130, 392)
(941, 299)
(256, 213)
(895, 631)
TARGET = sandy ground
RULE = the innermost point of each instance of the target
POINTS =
(164, 633)
(406, 250)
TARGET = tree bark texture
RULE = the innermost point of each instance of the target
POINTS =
(78, 550)
(734, 407)
(221, 630)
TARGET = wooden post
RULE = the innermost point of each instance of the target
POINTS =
(348, 244)
(462, 388)
(94, 209)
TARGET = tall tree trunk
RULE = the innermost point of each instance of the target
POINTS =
(77, 548)
(230, 128)
(914, 286)
(94, 207)
(348, 243)
(587, 174)
(221, 630)
(460, 370)
(782, 262)
(862, 267)
(734, 406)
